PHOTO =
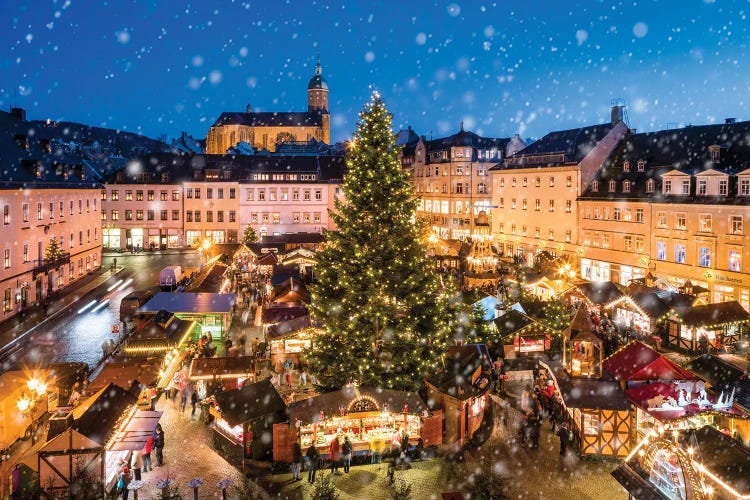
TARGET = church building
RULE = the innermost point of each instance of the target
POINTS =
(265, 130)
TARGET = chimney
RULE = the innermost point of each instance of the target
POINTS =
(19, 113)
(729, 121)
(617, 114)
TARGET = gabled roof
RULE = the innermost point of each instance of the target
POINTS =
(291, 290)
(714, 370)
(163, 328)
(511, 322)
(600, 292)
(713, 314)
(249, 402)
(465, 138)
(639, 362)
(723, 456)
(282, 311)
(101, 413)
(582, 328)
(284, 328)
(573, 144)
(461, 362)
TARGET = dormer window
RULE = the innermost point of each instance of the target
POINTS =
(715, 152)
(702, 187)
(626, 166)
(595, 186)
(641, 165)
(686, 187)
(744, 187)
(650, 186)
(668, 186)
(612, 186)
(625, 186)
(723, 187)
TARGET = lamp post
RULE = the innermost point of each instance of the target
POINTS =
(27, 402)
(135, 486)
(195, 483)
(223, 485)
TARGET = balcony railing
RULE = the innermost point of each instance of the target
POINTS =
(43, 266)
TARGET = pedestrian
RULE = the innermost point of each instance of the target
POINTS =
(312, 455)
(296, 460)
(105, 349)
(534, 425)
(565, 437)
(146, 454)
(124, 481)
(254, 347)
(288, 365)
(137, 465)
(335, 454)
(183, 399)
(303, 375)
(346, 452)
(522, 428)
(193, 403)
(159, 445)
(114, 264)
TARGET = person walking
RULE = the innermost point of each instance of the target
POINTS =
(137, 465)
(296, 461)
(159, 445)
(335, 454)
(313, 456)
(535, 423)
(346, 452)
(146, 454)
(124, 481)
(193, 403)
(565, 437)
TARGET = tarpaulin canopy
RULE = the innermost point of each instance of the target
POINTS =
(136, 431)
(638, 362)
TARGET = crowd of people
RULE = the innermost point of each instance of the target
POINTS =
(134, 464)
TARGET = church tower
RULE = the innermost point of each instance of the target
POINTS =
(317, 92)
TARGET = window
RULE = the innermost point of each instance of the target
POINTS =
(704, 257)
(502, 203)
(261, 195)
(639, 244)
(25, 212)
(209, 193)
(551, 205)
(25, 253)
(616, 213)
(128, 215)
(197, 216)
(512, 229)
(595, 186)
(39, 211)
(232, 216)
(736, 224)
(626, 186)
(318, 194)
(481, 188)
(176, 195)
(232, 193)
(705, 223)
(641, 165)
(220, 216)
(723, 187)
(569, 181)
(551, 182)
(115, 215)
(523, 230)
(537, 182)
(163, 215)
(715, 153)
(306, 218)
(139, 215)
(513, 182)
(513, 204)
(551, 234)
(680, 221)
(6, 300)
(220, 193)
(661, 219)
(525, 181)
(175, 215)
(295, 195)
(502, 182)
(6, 214)
(667, 186)
(661, 250)
(701, 187)
(686, 187)
(639, 215)
(295, 218)
(650, 186)
(189, 193)
(139, 195)
(115, 195)
(568, 235)
(189, 216)
(104, 215)
(209, 215)
(612, 185)
(626, 166)
(735, 260)
(6, 258)
(306, 195)
(605, 240)
(628, 243)
(537, 230)
(249, 194)
(538, 204)
(276, 217)
(524, 204)
(128, 195)
(197, 193)
(745, 187)
(679, 253)
(568, 206)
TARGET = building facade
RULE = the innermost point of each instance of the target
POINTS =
(671, 206)
(535, 190)
(452, 180)
(264, 130)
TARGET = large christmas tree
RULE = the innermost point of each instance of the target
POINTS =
(386, 315)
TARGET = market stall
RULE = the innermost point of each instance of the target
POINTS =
(595, 294)
(722, 324)
(103, 429)
(636, 363)
(289, 338)
(522, 335)
(583, 349)
(228, 373)
(242, 414)
(372, 418)
(696, 464)
(162, 332)
(212, 311)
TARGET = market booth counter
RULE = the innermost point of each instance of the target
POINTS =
(95, 435)
(521, 334)
(372, 418)
(696, 464)
(227, 373)
(243, 420)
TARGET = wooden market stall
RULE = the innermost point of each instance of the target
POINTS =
(637, 363)
(695, 464)
(462, 391)
(242, 417)
(721, 323)
(372, 418)
(595, 294)
(212, 311)
(14, 385)
(227, 372)
(583, 349)
(101, 430)
(287, 339)
(522, 335)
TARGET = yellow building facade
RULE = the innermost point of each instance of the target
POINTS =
(264, 130)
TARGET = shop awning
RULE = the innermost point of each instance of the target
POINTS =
(639, 362)
(136, 431)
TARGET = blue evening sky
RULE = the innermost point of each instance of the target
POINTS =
(501, 67)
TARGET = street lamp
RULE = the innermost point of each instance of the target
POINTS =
(27, 402)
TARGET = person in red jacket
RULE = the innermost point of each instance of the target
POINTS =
(146, 454)
(335, 454)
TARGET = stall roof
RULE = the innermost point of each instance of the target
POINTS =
(97, 417)
(199, 303)
(714, 370)
(594, 394)
(282, 311)
(723, 456)
(137, 431)
(249, 402)
(638, 362)
(742, 394)
(461, 362)
(308, 410)
(127, 372)
(291, 290)
(218, 367)
(600, 292)
(511, 322)
(713, 314)
(209, 280)
(582, 328)
(636, 485)
(287, 327)
(164, 327)
(488, 304)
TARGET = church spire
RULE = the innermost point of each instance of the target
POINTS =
(317, 66)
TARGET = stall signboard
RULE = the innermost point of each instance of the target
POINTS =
(297, 345)
(277, 346)
(532, 344)
(116, 329)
